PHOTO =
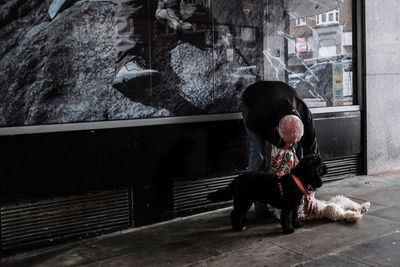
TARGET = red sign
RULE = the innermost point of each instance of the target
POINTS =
(302, 45)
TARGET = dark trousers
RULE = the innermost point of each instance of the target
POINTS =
(259, 148)
(132, 23)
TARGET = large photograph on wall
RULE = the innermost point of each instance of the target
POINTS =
(80, 61)
(66, 61)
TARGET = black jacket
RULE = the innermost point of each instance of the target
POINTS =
(267, 102)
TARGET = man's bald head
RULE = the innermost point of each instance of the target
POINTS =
(290, 129)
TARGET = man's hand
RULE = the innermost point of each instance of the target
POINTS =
(310, 204)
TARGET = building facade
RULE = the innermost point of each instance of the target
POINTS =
(79, 159)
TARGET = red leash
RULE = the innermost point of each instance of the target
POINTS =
(300, 185)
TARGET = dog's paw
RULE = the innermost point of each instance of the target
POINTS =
(355, 218)
(365, 207)
(237, 226)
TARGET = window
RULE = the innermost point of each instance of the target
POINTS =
(328, 18)
(327, 51)
(301, 21)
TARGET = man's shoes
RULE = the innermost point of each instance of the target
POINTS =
(174, 21)
(134, 76)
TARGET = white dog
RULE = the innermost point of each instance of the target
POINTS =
(338, 208)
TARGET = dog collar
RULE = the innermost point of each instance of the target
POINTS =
(300, 185)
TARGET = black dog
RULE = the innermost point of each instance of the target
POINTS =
(284, 193)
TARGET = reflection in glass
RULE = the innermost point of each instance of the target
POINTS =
(205, 69)
(315, 57)
(237, 49)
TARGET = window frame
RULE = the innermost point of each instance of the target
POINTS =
(323, 18)
(300, 21)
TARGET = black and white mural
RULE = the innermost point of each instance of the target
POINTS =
(64, 61)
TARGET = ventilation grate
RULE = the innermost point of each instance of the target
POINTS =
(190, 196)
(38, 223)
(343, 167)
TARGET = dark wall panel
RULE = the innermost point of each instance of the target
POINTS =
(339, 134)
(147, 159)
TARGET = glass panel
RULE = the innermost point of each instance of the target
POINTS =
(238, 45)
(183, 55)
(315, 58)
(174, 57)
(206, 68)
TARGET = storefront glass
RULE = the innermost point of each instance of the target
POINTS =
(309, 45)
(192, 57)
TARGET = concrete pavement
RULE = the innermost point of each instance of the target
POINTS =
(207, 239)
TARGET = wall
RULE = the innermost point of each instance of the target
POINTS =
(61, 164)
(382, 22)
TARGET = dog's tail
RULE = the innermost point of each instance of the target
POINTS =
(223, 194)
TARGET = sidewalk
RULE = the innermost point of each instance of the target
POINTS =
(207, 239)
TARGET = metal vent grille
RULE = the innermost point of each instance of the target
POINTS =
(42, 222)
(343, 167)
(192, 195)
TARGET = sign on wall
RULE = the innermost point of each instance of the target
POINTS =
(302, 45)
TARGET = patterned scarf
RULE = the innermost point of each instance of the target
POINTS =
(283, 160)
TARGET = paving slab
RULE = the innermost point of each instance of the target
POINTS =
(223, 239)
(332, 261)
(383, 251)
(35, 258)
(260, 255)
(387, 195)
(390, 213)
(176, 254)
(335, 236)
